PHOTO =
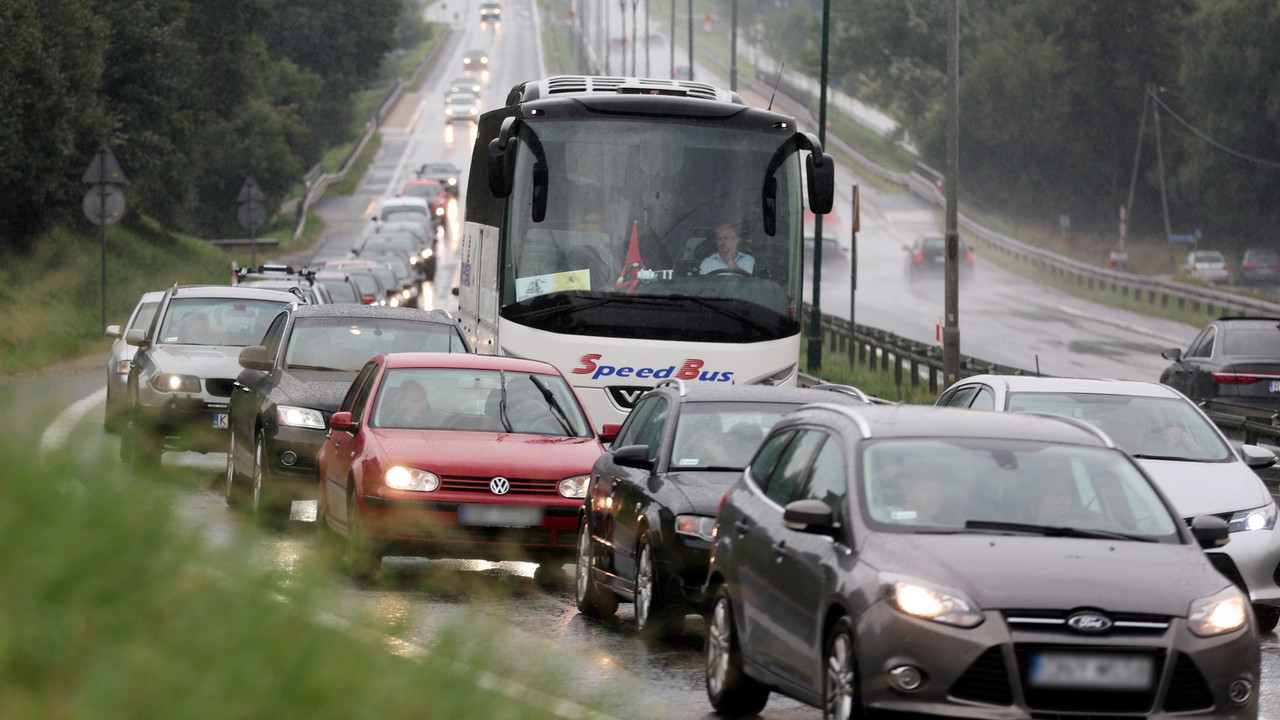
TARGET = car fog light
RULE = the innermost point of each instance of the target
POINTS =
(1240, 691)
(907, 678)
(289, 457)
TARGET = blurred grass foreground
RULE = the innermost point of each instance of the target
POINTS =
(109, 608)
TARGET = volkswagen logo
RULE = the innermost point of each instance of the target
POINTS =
(500, 486)
(1089, 622)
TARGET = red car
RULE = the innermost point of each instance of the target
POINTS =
(445, 455)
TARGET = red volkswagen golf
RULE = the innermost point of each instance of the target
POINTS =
(458, 456)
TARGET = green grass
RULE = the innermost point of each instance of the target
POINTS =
(870, 380)
(349, 183)
(114, 608)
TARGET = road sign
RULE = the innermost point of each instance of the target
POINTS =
(103, 169)
(1182, 239)
(251, 213)
(104, 204)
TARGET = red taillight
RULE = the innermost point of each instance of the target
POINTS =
(1230, 378)
(968, 257)
(1249, 266)
(918, 256)
(369, 299)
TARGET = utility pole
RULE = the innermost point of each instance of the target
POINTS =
(733, 48)
(815, 321)
(951, 293)
(690, 39)
(673, 39)
(1164, 197)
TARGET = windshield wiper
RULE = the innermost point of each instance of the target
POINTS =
(313, 367)
(714, 307)
(556, 411)
(502, 403)
(1051, 530)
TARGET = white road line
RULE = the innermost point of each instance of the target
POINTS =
(60, 429)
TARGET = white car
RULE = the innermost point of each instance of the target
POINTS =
(1208, 265)
(1178, 446)
(388, 208)
(121, 359)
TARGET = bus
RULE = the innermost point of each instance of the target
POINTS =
(596, 213)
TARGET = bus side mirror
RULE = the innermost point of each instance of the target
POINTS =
(822, 182)
(502, 154)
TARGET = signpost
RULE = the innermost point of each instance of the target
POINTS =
(103, 203)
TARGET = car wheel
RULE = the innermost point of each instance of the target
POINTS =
(1267, 617)
(360, 558)
(265, 505)
(232, 491)
(592, 600)
(145, 448)
(654, 617)
(840, 676)
(326, 538)
(731, 692)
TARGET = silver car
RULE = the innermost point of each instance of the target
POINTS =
(121, 359)
(1179, 447)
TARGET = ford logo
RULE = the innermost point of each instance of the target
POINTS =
(1089, 622)
(501, 485)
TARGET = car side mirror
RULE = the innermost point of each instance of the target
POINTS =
(112, 331)
(136, 337)
(342, 421)
(1256, 457)
(1211, 532)
(254, 357)
(811, 516)
(634, 456)
(609, 432)
(1174, 354)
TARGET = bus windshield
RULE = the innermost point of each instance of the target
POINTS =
(620, 227)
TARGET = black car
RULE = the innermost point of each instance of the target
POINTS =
(920, 562)
(650, 508)
(927, 258)
(1233, 360)
(446, 173)
(292, 383)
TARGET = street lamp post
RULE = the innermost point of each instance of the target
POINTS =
(622, 51)
(815, 320)
(733, 48)
(634, 35)
(951, 293)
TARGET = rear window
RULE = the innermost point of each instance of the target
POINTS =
(1252, 342)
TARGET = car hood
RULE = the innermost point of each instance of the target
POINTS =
(534, 457)
(1207, 488)
(1039, 573)
(205, 361)
(704, 489)
(318, 389)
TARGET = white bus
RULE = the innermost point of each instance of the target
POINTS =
(592, 213)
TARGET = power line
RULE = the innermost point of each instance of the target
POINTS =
(1211, 141)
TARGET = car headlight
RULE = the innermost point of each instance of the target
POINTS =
(394, 302)
(413, 259)
(453, 181)
(699, 526)
(173, 382)
(439, 211)
(929, 603)
(1261, 518)
(290, 416)
(400, 477)
(427, 253)
(1222, 613)
(573, 487)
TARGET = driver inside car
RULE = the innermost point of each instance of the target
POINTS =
(727, 256)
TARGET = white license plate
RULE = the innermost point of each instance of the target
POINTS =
(1274, 386)
(220, 421)
(500, 515)
(1080, 671)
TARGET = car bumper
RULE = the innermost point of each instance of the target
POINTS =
(290, 454)
(987, 671)
(684, 566)
(1251, 560)
(188, 423)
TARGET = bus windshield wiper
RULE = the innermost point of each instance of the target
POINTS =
(556, 411)
(715, 307)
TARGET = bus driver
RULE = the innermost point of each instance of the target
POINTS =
(727, 256)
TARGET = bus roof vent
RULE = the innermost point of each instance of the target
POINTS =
(591, 84)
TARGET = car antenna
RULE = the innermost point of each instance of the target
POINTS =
(775, 86)
(1037, 364)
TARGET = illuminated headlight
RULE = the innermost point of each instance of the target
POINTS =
(1263, 518)
(779, 377)
(466, 61)
(453, 181)
(405, 293)
(290, 416)
(928, 603)
(448, 110)
(440, 210)
(407, 478)
(413, 259)
(484, 59)
(574, 487)
(699, 526)
(1223, 613)
(172, 382)
(427, 253)
(394, 302)
(123, 366)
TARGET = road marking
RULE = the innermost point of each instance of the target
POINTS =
(60, 429)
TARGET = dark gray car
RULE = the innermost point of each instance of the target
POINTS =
(950, 563)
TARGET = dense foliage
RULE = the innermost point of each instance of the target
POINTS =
(1052, 95)
(190, 95)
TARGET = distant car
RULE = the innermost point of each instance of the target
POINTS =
(490, 12)
(390, 208)
(120, 359)
(464, 84)
(648, 518)
(476, 61)
(1259, 266)
(389, 289)
(437, 197)
(1232, 360)
(445, 172)
(181, 380)
(905, 561)
(457, 456)
(291, 383)
(340, 286)
(1207, 265)
(300, 282)
(462, 107)
(927, 258)
(1186, 455)
(405, 245)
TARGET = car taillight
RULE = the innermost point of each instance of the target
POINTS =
(1230, 378)
(968, 257)
(1249, 266)
(918, 256)
(369, 299)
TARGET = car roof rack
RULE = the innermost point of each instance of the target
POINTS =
(845, 389)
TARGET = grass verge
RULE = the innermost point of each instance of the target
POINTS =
(870, 380)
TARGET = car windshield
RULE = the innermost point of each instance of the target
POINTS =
(234, 322)
(722, 435)
(424, 190)
(998, 485)
(479, 401)
(1145, 427)
(1252, 342)
(347, 343)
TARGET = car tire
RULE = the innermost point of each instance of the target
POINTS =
(1267, 616)
(592, 599)
(731, 692)
(840, 674)
(326, 538)
(655, 618)
(266, 506)
(360, 558)
(233, 487)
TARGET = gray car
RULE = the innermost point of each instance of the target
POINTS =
(1178, 446)
(121, 359)
(913, 561)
